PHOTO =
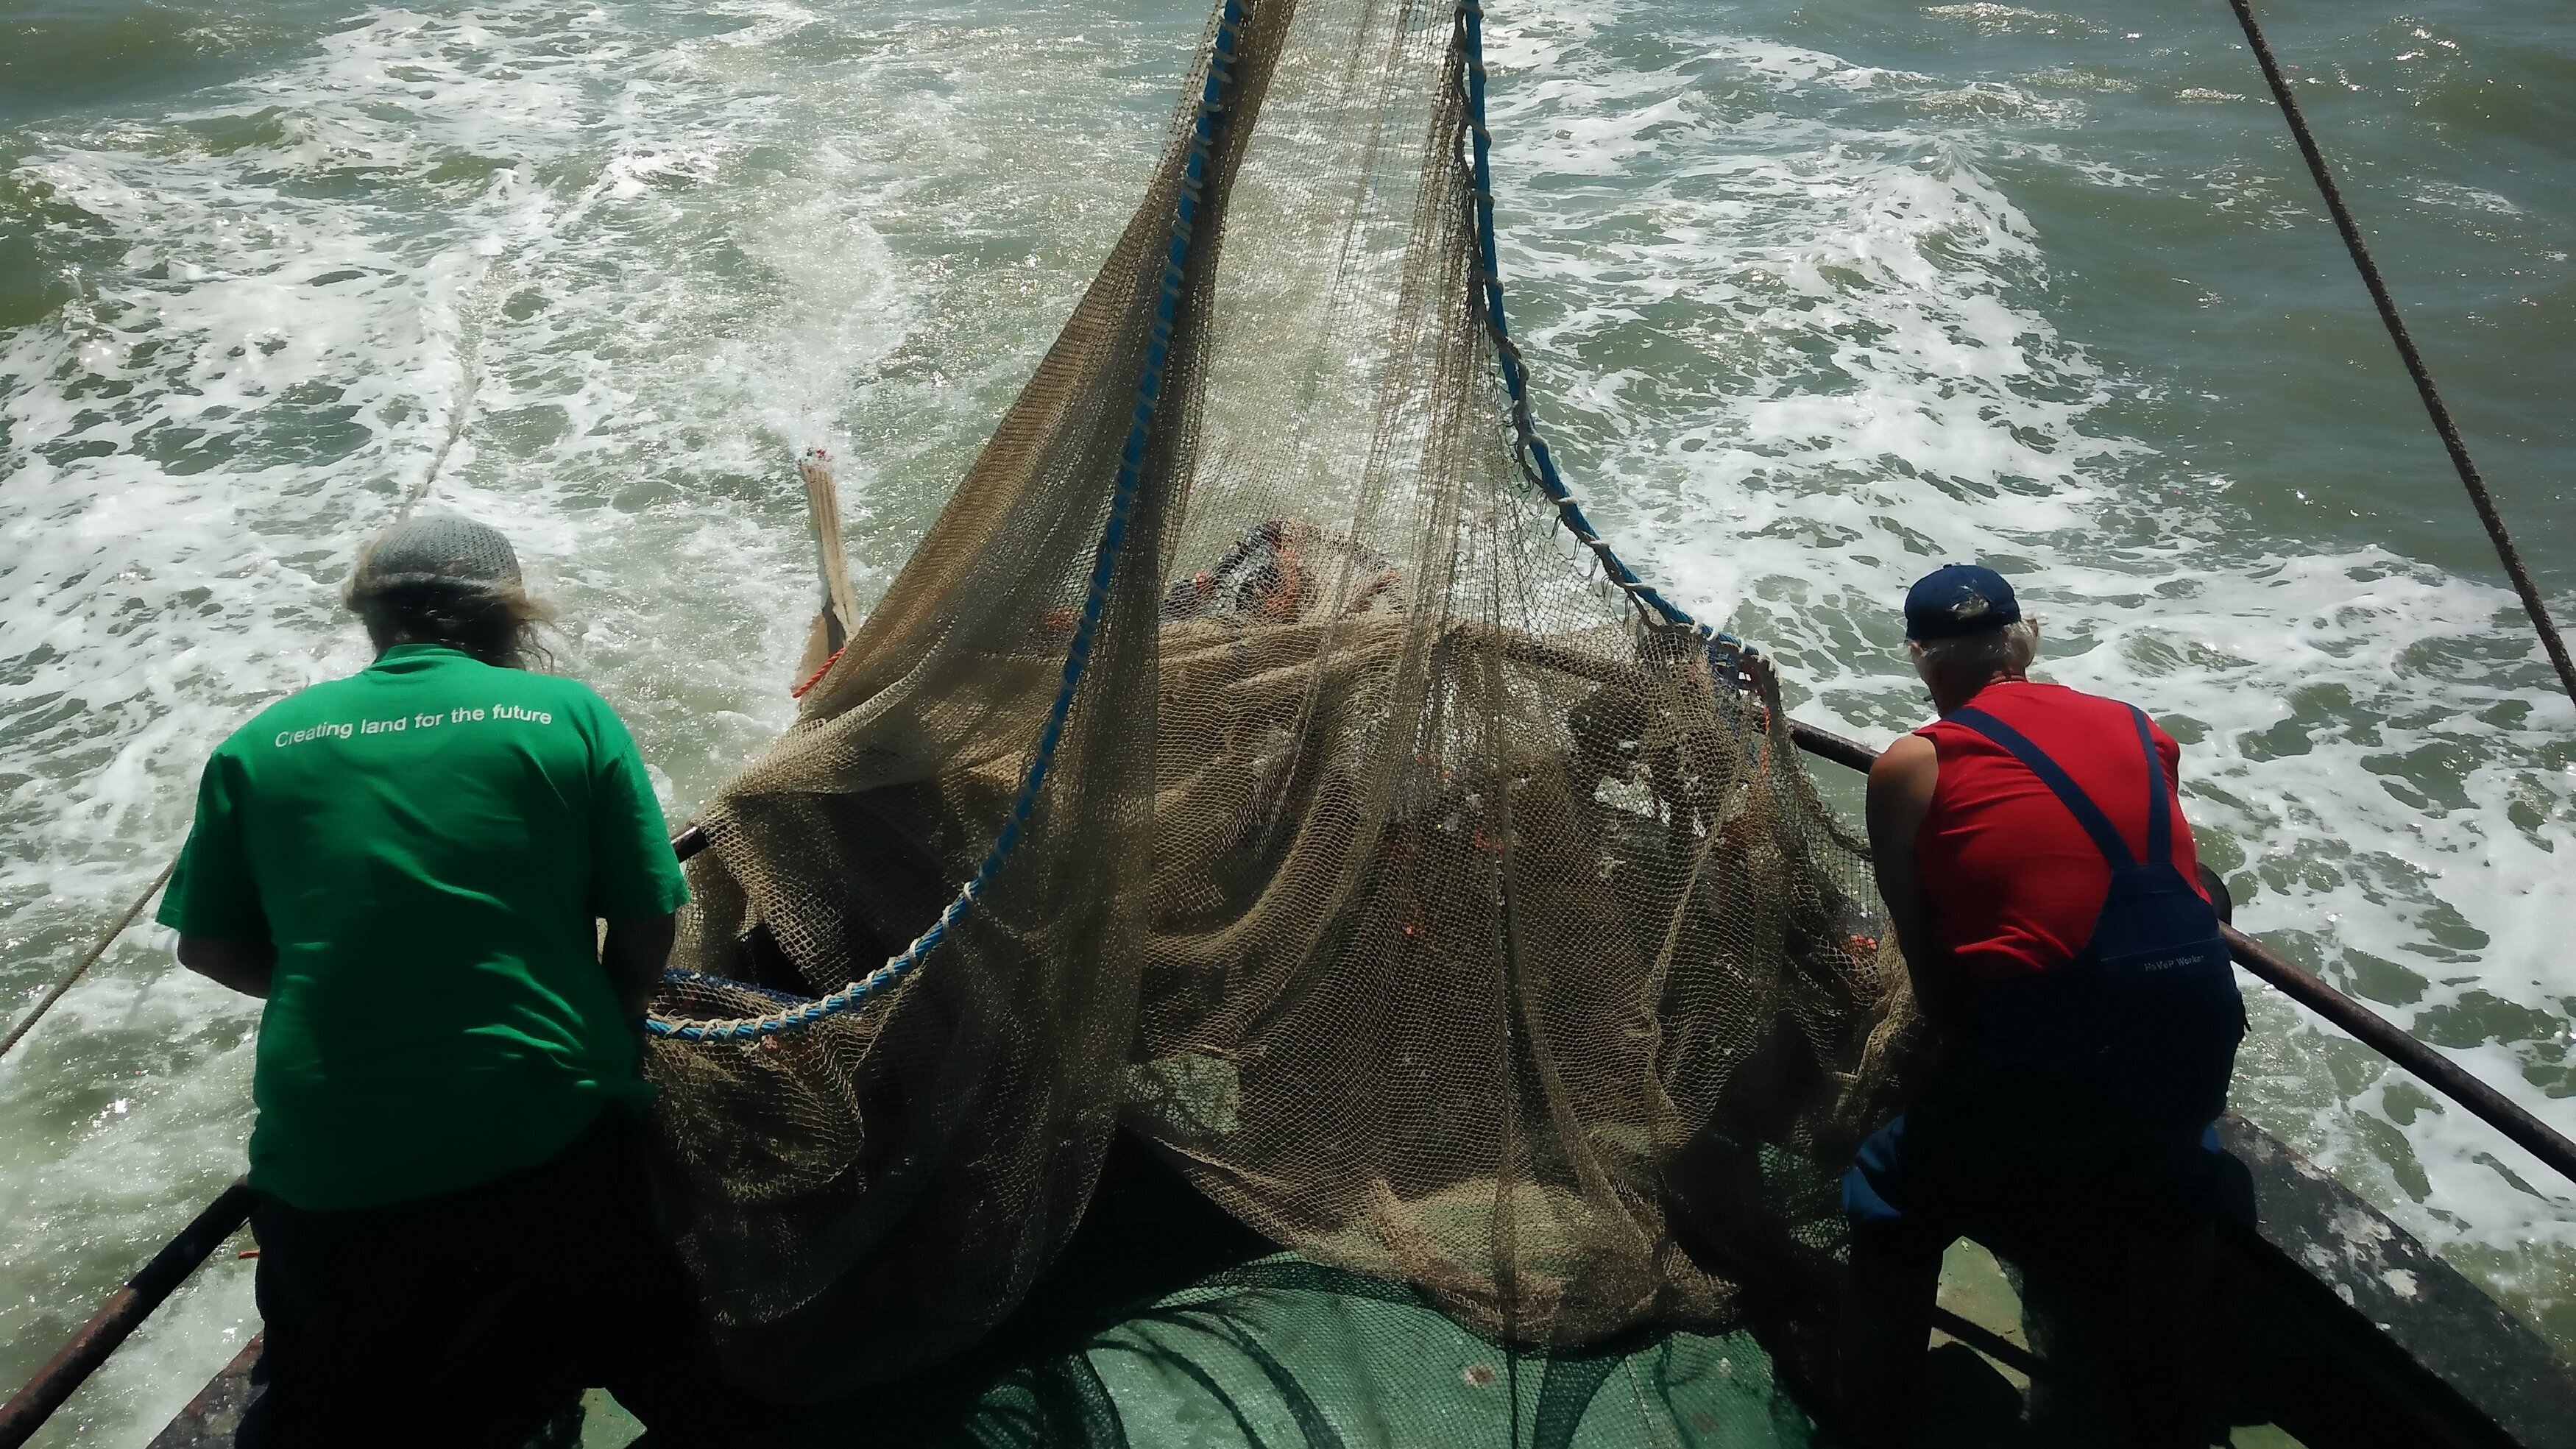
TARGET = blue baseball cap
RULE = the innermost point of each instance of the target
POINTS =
(1958, 599)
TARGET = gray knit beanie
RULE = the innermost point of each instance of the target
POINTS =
(457, 553)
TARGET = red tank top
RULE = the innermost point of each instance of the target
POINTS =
(2010, 880)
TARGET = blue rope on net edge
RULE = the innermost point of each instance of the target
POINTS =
(1113, 537)
(1536, 462)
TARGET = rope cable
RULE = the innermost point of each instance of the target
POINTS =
(460, 409)
(456, 416)
(97, 949)
(2470, 478)
(1537, 463)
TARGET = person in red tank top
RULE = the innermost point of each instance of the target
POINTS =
(2008, 881)
(2030, 848)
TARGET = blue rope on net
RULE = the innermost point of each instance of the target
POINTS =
(1535, 459)
(1113, 538)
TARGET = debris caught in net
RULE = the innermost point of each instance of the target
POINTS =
(1443, 918)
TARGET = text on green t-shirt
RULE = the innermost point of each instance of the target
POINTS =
(428, 842)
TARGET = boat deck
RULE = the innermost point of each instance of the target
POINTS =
(1168, 1324)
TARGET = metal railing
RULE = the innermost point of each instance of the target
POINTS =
(123, 1313)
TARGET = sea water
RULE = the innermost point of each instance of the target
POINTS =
(1816, 296)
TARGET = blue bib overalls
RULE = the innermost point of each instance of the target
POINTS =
(2083, 1096)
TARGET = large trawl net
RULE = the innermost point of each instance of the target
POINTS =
(1443, 915)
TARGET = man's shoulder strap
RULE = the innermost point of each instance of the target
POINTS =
(2106, 836)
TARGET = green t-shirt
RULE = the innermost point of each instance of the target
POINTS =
(428, 843)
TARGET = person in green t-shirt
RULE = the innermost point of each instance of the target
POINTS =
(408, 865)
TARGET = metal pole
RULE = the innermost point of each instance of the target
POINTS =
(1834, 747)
(2366, 1026)
(2391, 1041)
(123, 1312)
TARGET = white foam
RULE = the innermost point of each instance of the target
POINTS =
(1857, 377)
(644, 269)
(652, 266)
(2466, 198)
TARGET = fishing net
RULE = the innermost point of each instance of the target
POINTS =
(1166, 1323)
(1445, 916)
(1283, 1351)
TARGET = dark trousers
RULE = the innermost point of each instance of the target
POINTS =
(473, 1318)
(2113, 1262)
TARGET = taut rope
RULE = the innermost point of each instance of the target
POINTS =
(55, 992)
(2470, 479)
(460, 410)
(1537, 463)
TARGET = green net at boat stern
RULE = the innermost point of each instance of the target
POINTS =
(1283, 1353)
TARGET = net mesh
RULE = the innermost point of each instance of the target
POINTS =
(1443, 919)
(1283, 1352)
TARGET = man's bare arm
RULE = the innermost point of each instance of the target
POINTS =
(634, 951)
(1900, 793)
(240, 962)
